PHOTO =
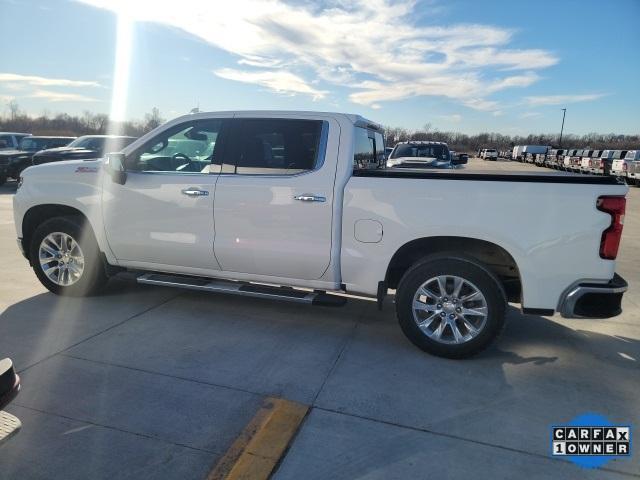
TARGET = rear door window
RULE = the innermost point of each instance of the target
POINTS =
(275, 146)
(364, 153)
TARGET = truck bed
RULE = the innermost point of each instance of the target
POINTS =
(488, 176)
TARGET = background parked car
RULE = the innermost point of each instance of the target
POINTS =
(619, 165)
(568, 158)
(516, 154)
(585, 161)
(606, 159)
(12, 162)
(421, 154)
(489, 154)
(387, 152)
(633, 166)
(458, 159)
(554, 158)
(11, 140)
(591, 163)
(88, 146)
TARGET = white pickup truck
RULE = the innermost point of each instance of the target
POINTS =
(299, 206)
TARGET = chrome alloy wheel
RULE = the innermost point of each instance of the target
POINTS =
(61, 258)
(449, 309)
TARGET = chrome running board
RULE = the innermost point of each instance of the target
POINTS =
(287, 294)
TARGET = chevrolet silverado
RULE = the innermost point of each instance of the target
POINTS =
(300, 206)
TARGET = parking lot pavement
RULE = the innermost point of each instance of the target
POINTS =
(146, 382)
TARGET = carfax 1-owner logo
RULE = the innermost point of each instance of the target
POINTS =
(591, 440)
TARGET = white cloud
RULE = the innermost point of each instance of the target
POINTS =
(562, 99)
(279, 81)
(481, 104)
(60, 97)
(374, 47)
(530, 114)
(32, 80)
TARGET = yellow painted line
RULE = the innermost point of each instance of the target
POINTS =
(258, 449)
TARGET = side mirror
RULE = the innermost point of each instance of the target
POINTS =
(116, 167)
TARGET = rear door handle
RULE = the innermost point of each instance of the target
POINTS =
(195, 192)
(308, 197)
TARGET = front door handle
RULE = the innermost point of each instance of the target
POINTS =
(195, 192)
(309, 197)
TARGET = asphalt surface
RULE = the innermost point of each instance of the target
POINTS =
(146, 382)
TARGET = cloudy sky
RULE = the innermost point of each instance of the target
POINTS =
(464, 65)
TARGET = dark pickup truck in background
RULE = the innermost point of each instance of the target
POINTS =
(85, 147)
(11, 140)
(12, 162)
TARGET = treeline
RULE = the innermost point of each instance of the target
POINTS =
(461, 142)
(98, 123)
(75, 125)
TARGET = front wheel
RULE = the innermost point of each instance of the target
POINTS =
(450, 306)
(66, 258)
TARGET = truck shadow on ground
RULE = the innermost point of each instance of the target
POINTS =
(349, 361)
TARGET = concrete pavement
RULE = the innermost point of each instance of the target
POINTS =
(145, 382)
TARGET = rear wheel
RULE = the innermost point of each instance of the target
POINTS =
(65, 257)
(3, 180)
(450, 306)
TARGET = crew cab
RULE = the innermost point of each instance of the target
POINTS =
(12, 162)
(300, 206)
(85, 147)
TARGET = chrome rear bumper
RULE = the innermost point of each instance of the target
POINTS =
(594, 300)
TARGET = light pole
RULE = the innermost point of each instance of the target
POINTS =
(564, 112)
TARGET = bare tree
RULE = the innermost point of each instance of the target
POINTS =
(14, 109)
(153, 119)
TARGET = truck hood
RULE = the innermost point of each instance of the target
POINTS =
(418, 162)
(11, 152)
(65, 168)
(64, 153)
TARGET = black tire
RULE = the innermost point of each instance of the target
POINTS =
(93, 276)
(3, 180)
(454, 265)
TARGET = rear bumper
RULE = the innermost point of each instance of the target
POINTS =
(594, 300)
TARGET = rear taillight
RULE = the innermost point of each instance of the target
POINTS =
(601, 163)
(610, 241)
(624, 166)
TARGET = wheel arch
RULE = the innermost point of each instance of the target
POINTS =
(38, 214)
(494, 257)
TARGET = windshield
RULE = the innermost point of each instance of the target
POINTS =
(440, 152)
(98, 144)
(5, 141)
(90, 143)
